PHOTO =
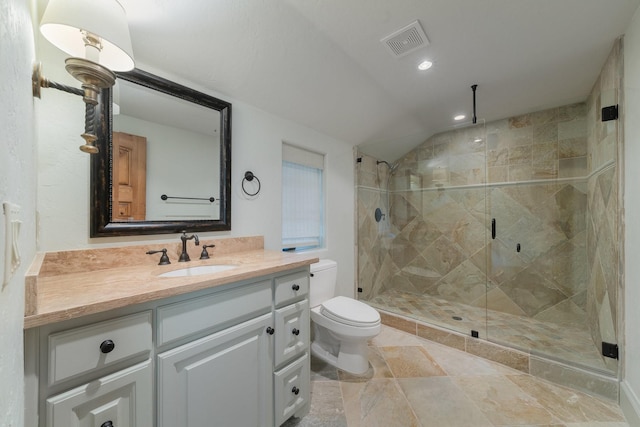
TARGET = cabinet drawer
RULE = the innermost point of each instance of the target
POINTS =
(81, 350)
(292, 331)
(221, 309)
(291, 287)
(291, 386)
(124, 398)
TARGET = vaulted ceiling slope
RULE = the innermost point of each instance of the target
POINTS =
(320, 63)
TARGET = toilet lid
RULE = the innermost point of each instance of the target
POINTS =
(350, 312)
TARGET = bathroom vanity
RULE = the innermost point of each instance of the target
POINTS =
(220, 349)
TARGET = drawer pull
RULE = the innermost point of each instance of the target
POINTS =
(270, 330)
(107, 424)
(295, 287)
(295, 332)
(295, 390)
(107, 346)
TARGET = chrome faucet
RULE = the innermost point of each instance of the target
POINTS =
(184, 256)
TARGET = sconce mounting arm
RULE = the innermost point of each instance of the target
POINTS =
(89, 92)
(39, 81)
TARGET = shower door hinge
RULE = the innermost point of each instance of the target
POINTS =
(610, 350)
(610, 113)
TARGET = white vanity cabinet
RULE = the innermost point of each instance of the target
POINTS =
(233, 355)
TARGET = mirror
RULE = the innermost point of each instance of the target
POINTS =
(164, 161)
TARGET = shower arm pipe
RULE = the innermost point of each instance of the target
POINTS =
(473, 88)
(391, 167)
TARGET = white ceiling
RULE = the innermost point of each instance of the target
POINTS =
(320, 63)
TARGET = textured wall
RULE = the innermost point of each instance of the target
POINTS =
(17, 185)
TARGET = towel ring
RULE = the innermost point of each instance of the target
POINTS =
(249, 176)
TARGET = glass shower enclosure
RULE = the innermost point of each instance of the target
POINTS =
(501, 230)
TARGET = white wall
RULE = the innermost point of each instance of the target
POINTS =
(18, 186)
(63, 202)
(630, 390)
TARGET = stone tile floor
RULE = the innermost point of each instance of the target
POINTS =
(416, 382)
(558, 341)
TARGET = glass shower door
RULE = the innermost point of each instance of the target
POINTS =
(542, 257)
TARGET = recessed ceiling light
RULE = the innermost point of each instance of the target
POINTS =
(459, 117)
(425, 65)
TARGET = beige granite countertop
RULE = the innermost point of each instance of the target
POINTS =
(65, 285)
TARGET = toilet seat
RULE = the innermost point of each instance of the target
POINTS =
(349, 311)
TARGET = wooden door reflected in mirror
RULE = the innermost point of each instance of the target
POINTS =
(130, 176)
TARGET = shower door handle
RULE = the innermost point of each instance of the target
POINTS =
(493, 228)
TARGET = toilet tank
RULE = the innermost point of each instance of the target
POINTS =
(323, 281)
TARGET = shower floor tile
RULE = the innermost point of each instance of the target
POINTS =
(563, 343)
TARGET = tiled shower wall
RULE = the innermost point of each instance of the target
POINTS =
(552, 187)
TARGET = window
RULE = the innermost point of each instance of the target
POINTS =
(302, 198)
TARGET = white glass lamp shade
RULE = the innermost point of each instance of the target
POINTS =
(63, 20)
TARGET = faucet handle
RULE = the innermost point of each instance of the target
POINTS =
(205, 254)
(164, 259)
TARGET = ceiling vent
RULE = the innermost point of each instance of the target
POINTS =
(406, 40)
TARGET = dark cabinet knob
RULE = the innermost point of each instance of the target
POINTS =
(295, 332)
(295, 287)
(107, 424)
(295, 390)
(107, 346)
(270, 330)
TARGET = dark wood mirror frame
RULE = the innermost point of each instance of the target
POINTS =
(101, 164)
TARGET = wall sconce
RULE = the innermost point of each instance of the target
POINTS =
(96, 35)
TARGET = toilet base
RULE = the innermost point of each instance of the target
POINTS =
(351, 356)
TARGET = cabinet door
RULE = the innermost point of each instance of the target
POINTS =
(292, 331)
(122, 399)
(222, 380)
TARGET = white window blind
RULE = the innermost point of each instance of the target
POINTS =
(302, 198)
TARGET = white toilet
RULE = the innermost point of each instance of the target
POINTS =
(341, 326)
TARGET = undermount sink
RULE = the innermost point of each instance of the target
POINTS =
(198, 271)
